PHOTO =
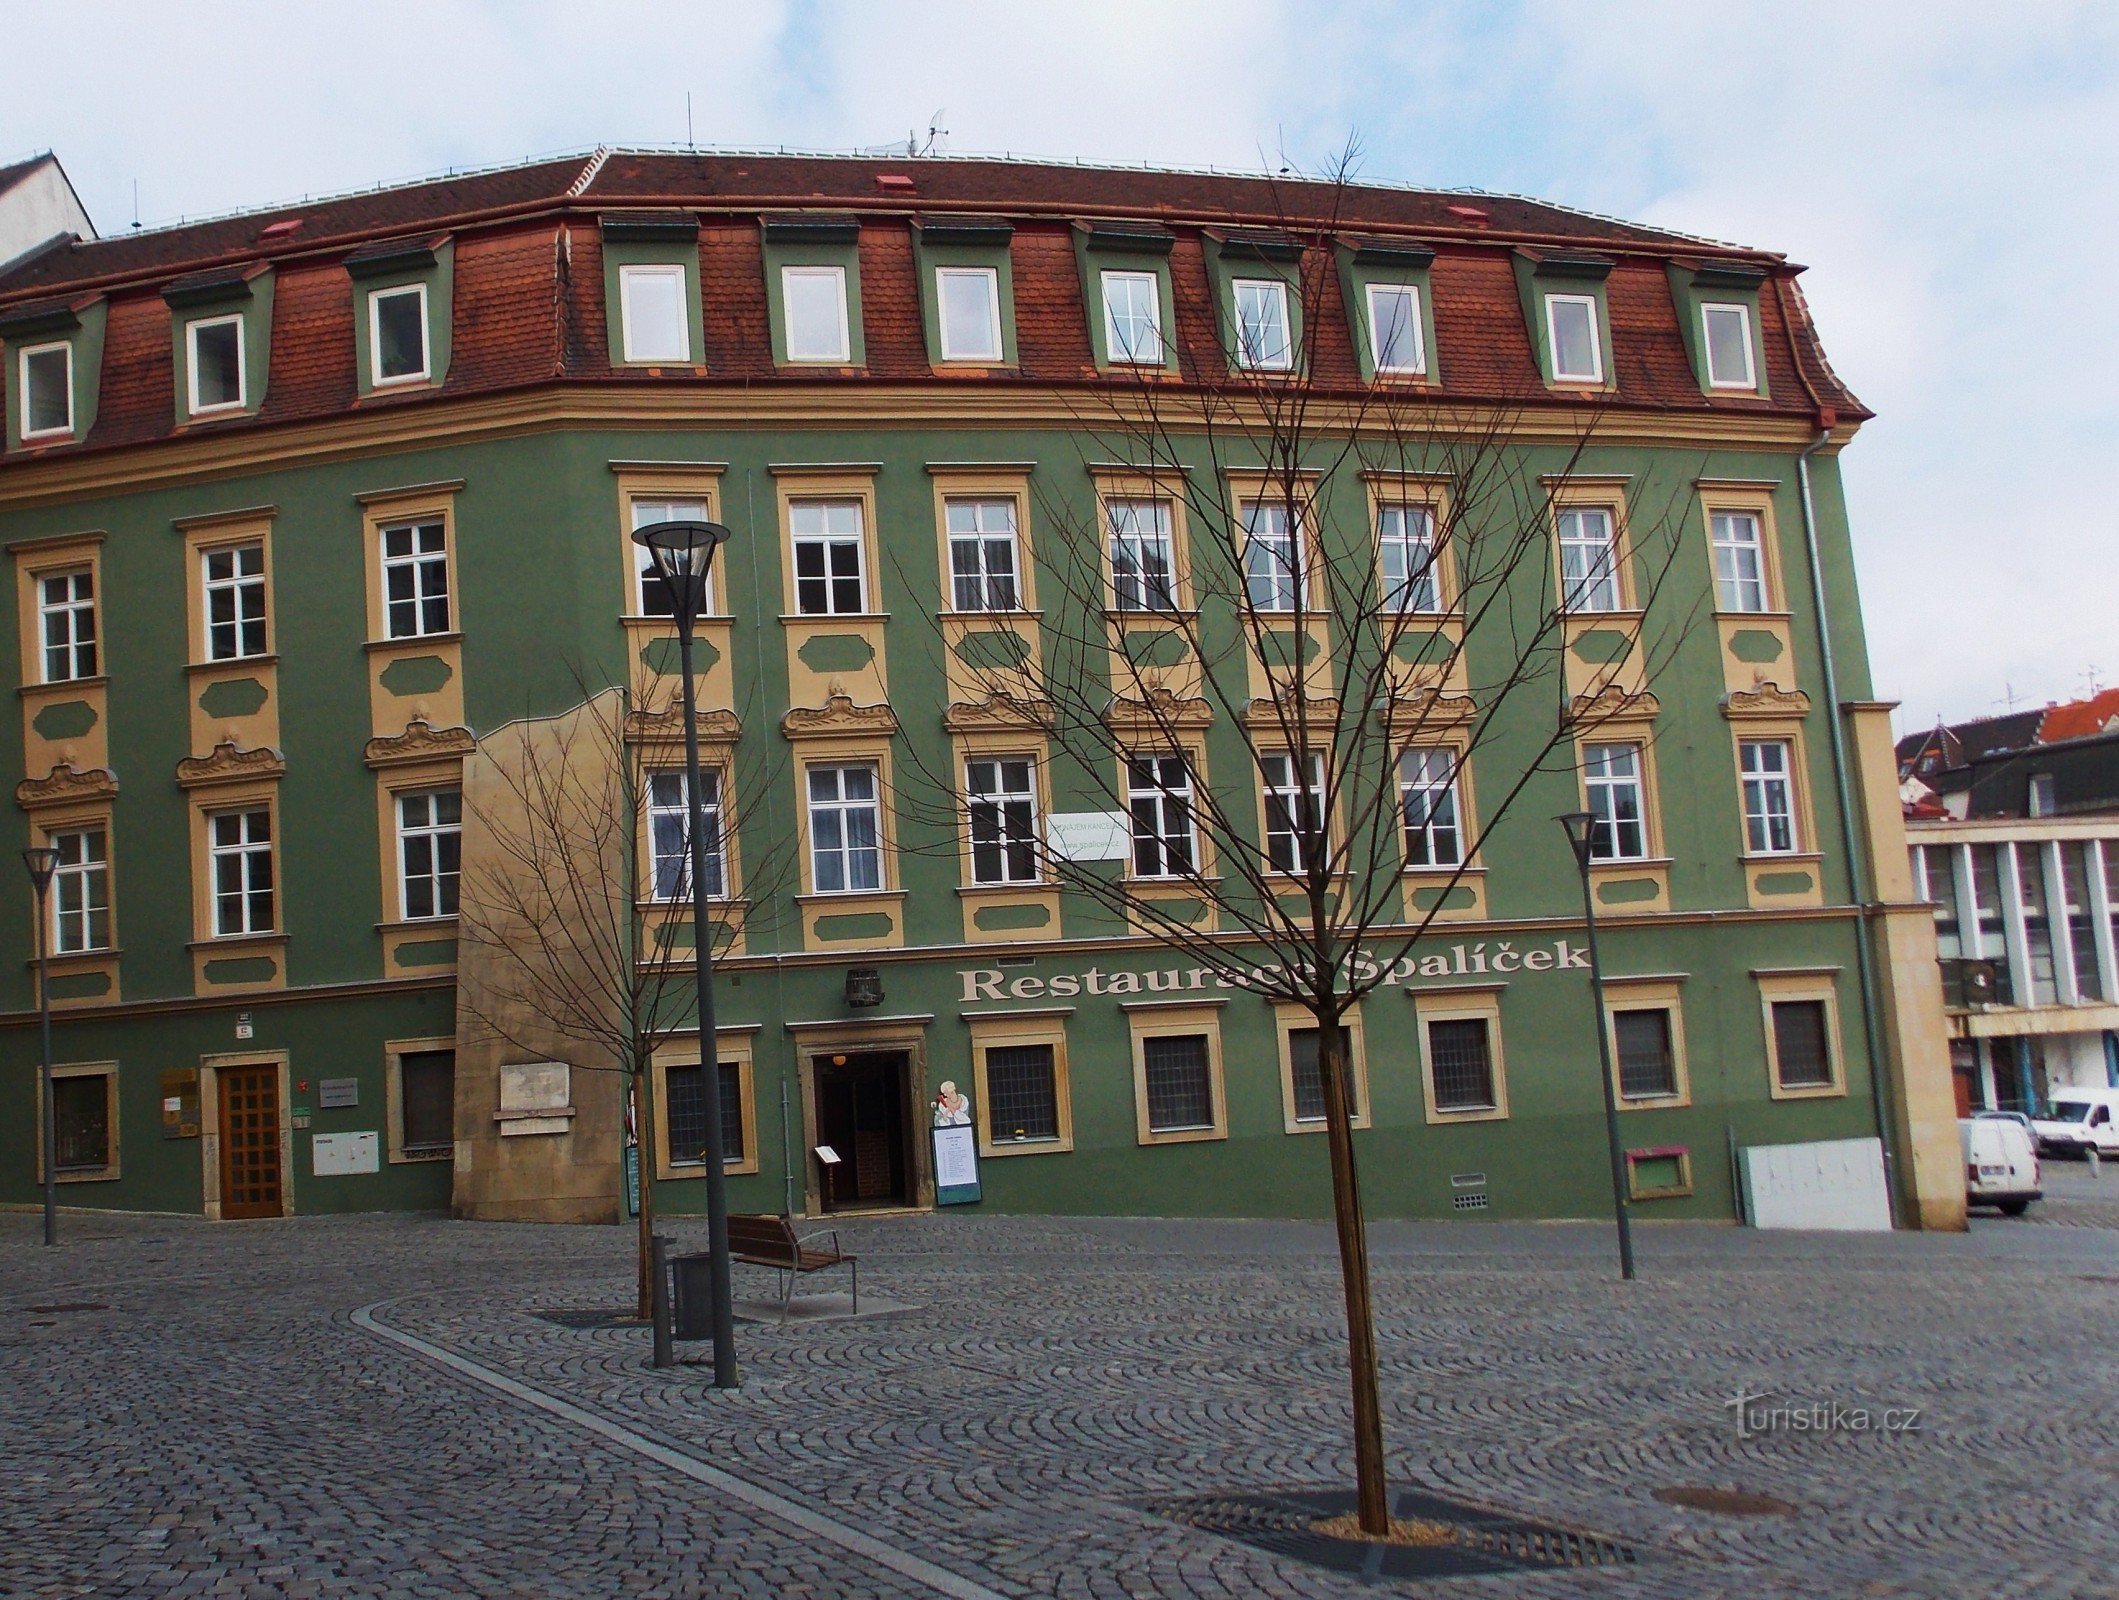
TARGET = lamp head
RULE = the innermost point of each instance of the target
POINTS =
(42, 861)
(683, 553)
(1580, 826)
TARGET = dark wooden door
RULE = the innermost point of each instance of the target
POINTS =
(250, 1141)
(861, 1115)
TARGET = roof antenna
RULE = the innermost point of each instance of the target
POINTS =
(689, 143)
(936, 133)
(136, 202)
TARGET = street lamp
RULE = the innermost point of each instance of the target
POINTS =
(1581, 834)
(42, 861)
(683, 553)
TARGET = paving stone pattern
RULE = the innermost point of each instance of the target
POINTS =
(223, 1429)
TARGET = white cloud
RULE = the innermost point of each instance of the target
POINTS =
(1946, 168)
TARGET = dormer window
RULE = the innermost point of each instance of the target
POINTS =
(1726, 331)
(47, 390)
(815, 302)
(1133, 318)
(1571, 334)
(651, 302)
(215, 349)
(969, 299)
(1394, 329)
(397, 333)
(1262, 341)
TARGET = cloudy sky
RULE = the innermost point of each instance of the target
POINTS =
(1949, 171)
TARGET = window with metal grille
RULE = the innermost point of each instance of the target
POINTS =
(981, 554)
(1180, 1082)
(415, 580)
(66, 605)
(1308, 1074)
(1802, 1051)
(426, 1099)
(1460, 1062)
(684, 1091)
(1000, 800)
(82, 1108)
(1648, 1067)
(1022, 1094)
(829, 577)
(1159, 795)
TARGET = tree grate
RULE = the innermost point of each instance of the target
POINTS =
(1284, 1524)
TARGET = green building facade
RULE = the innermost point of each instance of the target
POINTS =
(335, 528)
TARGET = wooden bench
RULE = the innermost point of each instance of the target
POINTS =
(773, 1242)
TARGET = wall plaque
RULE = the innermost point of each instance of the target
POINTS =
(338, 1092)
(180, 1102)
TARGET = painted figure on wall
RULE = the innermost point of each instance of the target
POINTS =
(951, 1109)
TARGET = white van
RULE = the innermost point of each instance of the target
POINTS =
(2000, 1164)
(2080, 1119)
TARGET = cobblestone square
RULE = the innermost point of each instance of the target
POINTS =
(395, 1407)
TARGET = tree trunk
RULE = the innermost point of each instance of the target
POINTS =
(1372, 1495)
(643, 1118)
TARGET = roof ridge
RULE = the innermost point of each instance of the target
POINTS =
(580, 185)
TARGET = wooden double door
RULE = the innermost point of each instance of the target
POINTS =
(250, 1113)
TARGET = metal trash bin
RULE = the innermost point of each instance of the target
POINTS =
(694, 1298)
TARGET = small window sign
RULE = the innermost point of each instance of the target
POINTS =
(1091, 835)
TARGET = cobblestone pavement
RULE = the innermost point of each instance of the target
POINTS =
(219, 1426)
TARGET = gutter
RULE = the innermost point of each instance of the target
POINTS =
(1864, 956)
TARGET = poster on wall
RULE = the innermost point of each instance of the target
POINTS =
(956, 1149)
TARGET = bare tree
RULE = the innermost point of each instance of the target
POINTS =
(1226, 585)
(581, 945)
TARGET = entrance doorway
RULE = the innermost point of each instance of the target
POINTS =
(861, 1115)
(250, 1140)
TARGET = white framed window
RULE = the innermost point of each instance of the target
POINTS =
(982, 564)
(233, 586)
(1395, 340)
(1739, 561)
(651, 596)
(1133, 318)
(80, 891)
(214, 364)
(1159, 796)
(47, 388)
(415, 579)
(1263, 342)
(397, 334)
(1589, 561)
(968, 305)
(1000, 799)
(1618, 802)
(239, 845)
(1405, 536)
(1272, 557)
(1143, 577)
(813, 305)
(652, 311)
(1726, 332)
(429, 853)
(1427, 798)
(1571, 334)
(1769, 796)
(66, 613)
(829, 576)
(669, 845)
(1294, 810)
(845, 829)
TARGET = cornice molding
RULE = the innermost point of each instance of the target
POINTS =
(64, 784)
(228, 764)
(1000, 711)
(1612, 704)
(1291, 707)
(667, 726)
(1416, 710)
(1768, 699)
(838, 717)
(1159, 708)
(421, 741)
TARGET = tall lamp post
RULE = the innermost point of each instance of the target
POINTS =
(1581, 834)
(683, 553)
(42, 861)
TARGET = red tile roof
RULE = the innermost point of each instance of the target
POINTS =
(2080, 719)
(528, 280)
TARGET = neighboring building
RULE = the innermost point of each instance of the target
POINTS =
(38, 209)
(2014, 823)
(315, 512)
